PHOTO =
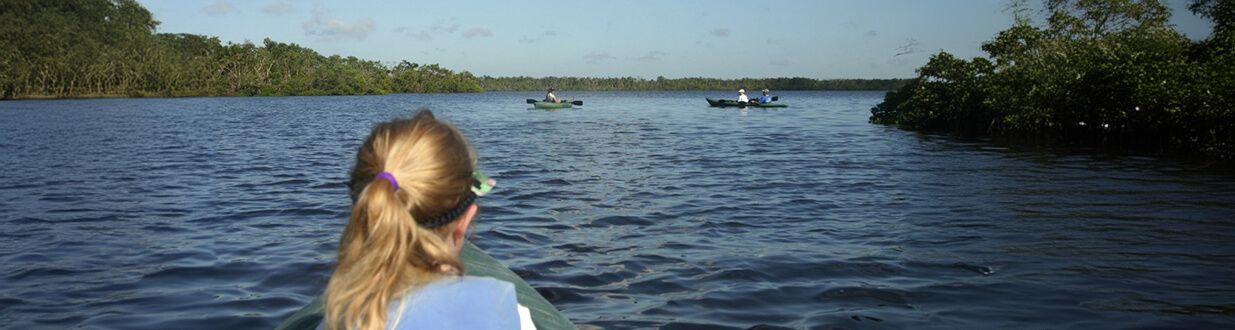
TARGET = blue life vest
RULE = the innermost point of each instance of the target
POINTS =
(765, 99)
(466, 302)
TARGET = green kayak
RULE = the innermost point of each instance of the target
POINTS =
(478, 263)
(734, 103)
(551, 105)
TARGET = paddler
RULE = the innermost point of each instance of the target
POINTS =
(765, 98)
(549, 97)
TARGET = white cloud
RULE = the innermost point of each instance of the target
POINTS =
(442, 27)
(525, 39)
(650, 56)
(332, 29)
(219, 8)
(477, 32)
(420, 35)
(279, 7)
(597, 57)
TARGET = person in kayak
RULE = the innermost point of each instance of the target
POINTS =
(414, 188)
(763, 99)
(549, 97)
(742, 98)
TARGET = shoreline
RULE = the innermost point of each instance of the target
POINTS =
(158, 96)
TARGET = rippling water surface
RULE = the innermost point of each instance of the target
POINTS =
(638, 210)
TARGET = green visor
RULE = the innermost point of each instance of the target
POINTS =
(481, 183)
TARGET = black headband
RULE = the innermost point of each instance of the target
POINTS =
(481, 184)
(445, 218)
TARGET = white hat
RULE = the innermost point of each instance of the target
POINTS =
(740, 90)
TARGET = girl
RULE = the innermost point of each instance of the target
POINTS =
(413, 190)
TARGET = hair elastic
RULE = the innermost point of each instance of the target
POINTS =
(390, 178)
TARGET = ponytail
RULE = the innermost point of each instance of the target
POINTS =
(384, 251)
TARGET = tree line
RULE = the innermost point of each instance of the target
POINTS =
(681, 84)
(1110, 73)
(89, 48)
(76, 48)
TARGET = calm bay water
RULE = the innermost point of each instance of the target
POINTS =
(638, 210)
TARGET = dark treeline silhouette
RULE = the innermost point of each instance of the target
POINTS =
(82, 48)
(681, 84)
(1108, 73)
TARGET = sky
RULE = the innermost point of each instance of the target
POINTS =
(821, 39)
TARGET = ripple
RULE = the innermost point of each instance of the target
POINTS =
(42, 273)
(557, 295)
(619, 220)
(848, 295)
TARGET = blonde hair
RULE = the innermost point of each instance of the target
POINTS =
(384, 252)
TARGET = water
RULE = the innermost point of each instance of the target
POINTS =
(639, 210)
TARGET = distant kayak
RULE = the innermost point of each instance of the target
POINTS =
(735, 103)
(551, 105)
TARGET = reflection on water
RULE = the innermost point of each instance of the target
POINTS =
(636, 210)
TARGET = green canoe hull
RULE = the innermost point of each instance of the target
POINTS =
(478, 263)
(551, 105)
(734, 103)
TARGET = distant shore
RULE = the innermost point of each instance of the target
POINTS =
(884, 85)
(111, 49)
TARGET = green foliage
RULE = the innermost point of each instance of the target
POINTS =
(69, 48)
(1110, 72)
(949, 95)
(1096, 18)
(888, 112)
(76, 48)
(1221, 12)
(415, 78)
(680, 84)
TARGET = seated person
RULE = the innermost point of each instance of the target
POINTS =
(765, 98)
(549, 97)
(414, 190)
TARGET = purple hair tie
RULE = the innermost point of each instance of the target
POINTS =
(390, 178)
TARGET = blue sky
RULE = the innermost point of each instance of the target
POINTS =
(641, 38)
